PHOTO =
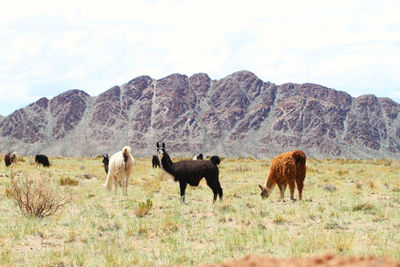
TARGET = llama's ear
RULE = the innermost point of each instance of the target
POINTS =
(261, 187)
(157, 145)
(163, 145)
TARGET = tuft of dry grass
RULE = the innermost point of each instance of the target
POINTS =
(363, 207)
(144, 208)
(68, 181)
(358, 184)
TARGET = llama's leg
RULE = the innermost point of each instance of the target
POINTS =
(291, 187)
(123, 184)
(126, 184)
(215, 187)
(282, 188)
(220, 193)
(182, 186)
(300, 185)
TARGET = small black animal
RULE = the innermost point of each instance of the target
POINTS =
(106, 160)
(192, 171)
(155, 161)
(43, 160)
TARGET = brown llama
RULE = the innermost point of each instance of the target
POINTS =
(10, 158)
(192, 171)
(286, 168)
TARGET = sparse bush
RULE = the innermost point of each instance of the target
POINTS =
(241, 169)
(330, 187)
(371, 184)
(358, 184)
(279, 219)
(341, 173)
(387, 162)
(363, 206)
(36, 196)
(396, 187)
(68, 181)
(144, 208)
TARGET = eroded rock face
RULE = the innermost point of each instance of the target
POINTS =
(239, 115)
(67, 109)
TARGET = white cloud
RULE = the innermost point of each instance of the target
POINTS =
(52, 46)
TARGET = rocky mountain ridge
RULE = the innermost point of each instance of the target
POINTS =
(239, 115)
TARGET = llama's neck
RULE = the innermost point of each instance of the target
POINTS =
(270, 185)
(167, 163)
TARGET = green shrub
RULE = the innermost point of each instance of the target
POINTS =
(144, 208)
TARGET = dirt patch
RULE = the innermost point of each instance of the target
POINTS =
(328, 260)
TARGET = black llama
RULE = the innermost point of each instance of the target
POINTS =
(156, 162)
(192, 171)
(43, 160)
(106, 161)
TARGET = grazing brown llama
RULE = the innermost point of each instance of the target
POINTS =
(192, 171)
(286, 168)
(10, 158)
(155, 162)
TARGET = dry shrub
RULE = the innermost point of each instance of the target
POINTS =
(358, 184)
(371, 184)
(144, 208)
(279, 219)
(342, 172)
(68, 181)
(396, 187)
(152, 185)
(36, 196)
(242, 169)
(363, 206)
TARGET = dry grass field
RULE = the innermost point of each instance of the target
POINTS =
(349, 207)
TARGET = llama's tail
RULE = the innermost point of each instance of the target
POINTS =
(215, 159)
(108, 183)
(125, 153)
(300, 159)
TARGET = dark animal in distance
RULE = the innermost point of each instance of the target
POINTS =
(192, 171)
(198, 157)
(287, 168)
(155, 162)
(106, 161)
(10, 158)
(42, 160)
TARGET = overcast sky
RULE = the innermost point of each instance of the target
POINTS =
(48, 47)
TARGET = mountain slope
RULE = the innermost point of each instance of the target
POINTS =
(239, 115)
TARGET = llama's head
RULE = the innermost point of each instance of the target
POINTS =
(106, 159)
(264, 191)
(160, 149)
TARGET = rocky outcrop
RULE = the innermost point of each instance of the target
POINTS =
(239, 115)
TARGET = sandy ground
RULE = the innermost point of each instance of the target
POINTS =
(328, 260)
